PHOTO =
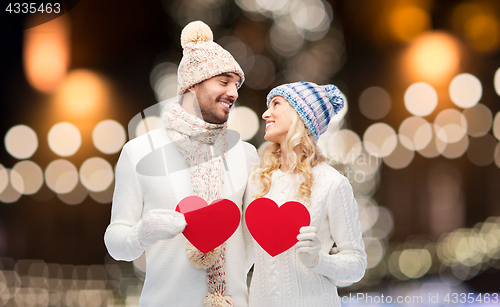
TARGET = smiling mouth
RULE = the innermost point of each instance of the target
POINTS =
(269, 124)
(226, 105)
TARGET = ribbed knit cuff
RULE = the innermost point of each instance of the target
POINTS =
(134, 237)
(323, 263)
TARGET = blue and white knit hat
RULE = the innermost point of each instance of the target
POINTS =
(315, 104)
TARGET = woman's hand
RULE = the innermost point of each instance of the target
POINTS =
(308, 246)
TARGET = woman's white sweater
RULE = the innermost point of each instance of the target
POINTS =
(283, 280)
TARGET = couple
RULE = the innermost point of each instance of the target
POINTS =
(143, 215)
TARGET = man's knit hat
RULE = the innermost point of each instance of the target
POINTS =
(315, 104)
(203, 58)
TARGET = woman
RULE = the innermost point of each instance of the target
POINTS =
(293, 168)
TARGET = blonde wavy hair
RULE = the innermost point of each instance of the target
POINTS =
(309, 156)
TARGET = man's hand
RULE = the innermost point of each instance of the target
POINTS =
(160, 224)
(308, 246)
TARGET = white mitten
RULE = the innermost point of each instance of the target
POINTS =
(308, 246)
(160, 224)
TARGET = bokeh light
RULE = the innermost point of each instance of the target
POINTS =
(163, 80)
(109, 136)
(343, 146)
(496, 126)
(496, 81)
(380, 140)
(465, 90)
(96, 174)
(238, 49)
(497, 160)
(21, 142)
(415, 133)
(384, 225)
(400, 157)
(46, 54)
(104, 197)
(483, 32)
(368, 213)
(82, 94)
(9, 194)
(261, 73)
(433, 57)
(147, 124)
(284, 38)
(457, 149)
(375, 103)
(414, 263)
(479, 120)
(4, 178)
(450, 126)
(310, 15)
(244, 121)
(420, 99)
(481, 150)
(374, 251)
(434, 148)
(26, 177)
(64, 139)
(76, 196)
(61, 176)
(408, 21)
(366, 164)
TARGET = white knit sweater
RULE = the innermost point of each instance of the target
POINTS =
(171, 280)
(283, 280)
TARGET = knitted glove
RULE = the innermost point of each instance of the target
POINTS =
(308, 246)
(160, 224)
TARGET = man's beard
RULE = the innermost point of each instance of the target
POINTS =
(209, 115)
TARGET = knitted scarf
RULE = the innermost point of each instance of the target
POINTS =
(202, 145)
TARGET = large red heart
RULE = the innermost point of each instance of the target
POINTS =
(208, 226)
(276, 228)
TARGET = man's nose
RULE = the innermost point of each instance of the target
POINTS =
(233, 91)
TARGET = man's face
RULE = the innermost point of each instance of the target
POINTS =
(216, 96)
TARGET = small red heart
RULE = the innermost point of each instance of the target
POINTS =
(276, 228)
(208, 226)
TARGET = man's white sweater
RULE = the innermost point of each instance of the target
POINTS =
(152, 174)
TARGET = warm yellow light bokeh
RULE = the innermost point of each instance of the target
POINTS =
(407, 22)
(433, 57)
(64, 139)
(46, 52)
(245, 121)
(483, 32)
(82, 94)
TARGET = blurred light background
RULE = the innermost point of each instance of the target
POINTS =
(418, 138)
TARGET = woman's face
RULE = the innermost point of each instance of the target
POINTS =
(277, 123)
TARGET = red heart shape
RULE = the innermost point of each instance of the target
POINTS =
(208, 226)
(276, 228)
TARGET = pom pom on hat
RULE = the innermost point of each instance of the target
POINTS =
(203, 58)
(196, 31)
(315, 104)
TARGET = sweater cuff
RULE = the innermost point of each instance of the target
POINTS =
(134, 237)
(323, 265)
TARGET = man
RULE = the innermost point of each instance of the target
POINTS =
(203, 162)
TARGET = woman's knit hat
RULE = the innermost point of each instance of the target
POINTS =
(203, 58)
(315, 104)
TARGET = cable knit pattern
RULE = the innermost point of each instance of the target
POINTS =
(334, 213)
